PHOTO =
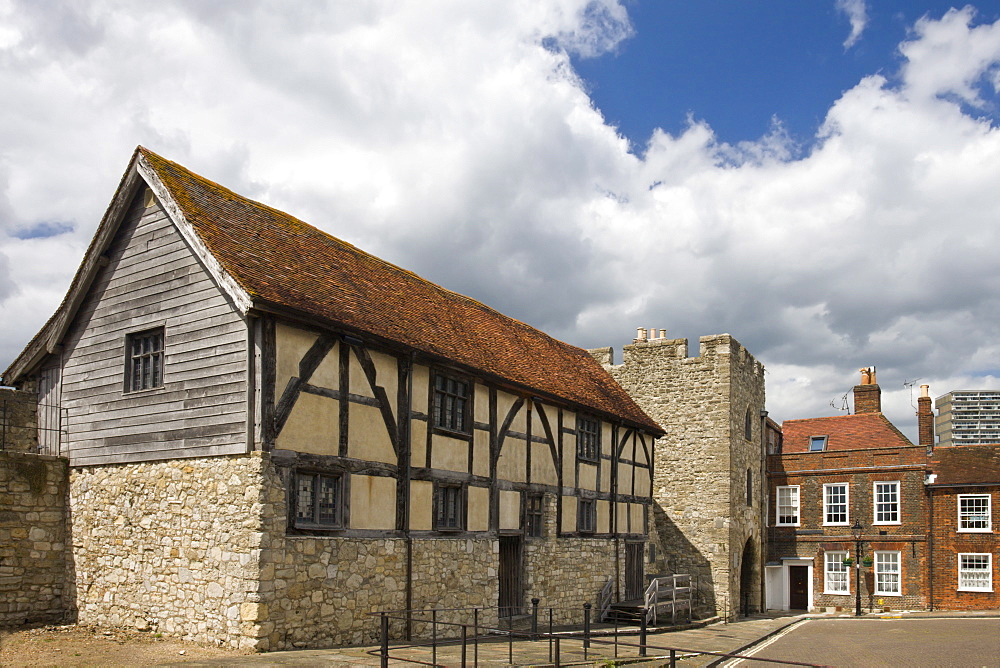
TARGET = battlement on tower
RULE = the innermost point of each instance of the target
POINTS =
(652, 347)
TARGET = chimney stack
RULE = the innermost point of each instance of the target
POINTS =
(925, 418)
(868, 395)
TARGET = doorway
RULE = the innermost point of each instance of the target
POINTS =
(798, 587)
(634, 553)
(511, 595)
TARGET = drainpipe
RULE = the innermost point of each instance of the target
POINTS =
(930, 548)
(762, 513)
(406, 501)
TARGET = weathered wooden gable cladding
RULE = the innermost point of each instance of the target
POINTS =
(151, 279)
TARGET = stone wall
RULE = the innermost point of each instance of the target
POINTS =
(33, 565)
(173, 546)
(565, 573)
(702, 524)
(199, 548)
(18, 421)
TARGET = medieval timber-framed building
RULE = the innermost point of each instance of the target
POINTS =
(272, 433)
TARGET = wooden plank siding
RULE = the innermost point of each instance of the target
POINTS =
(153, 279)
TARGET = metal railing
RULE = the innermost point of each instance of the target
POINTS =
(27, 426)
(604, 599)
(462, 643)
(672, 592)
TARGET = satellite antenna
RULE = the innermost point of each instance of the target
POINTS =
(843, 403)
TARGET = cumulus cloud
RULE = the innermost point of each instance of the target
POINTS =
(456, 140)
(857, 14)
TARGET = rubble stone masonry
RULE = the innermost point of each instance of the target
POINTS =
(33, 567)
(199, 548)
(18, 421)
(173, 546)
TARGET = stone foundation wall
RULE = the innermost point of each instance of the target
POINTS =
(33, 565)
(172, 546)
(565, 573)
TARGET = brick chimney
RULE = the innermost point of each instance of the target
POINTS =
(925, 418)
(868, 395)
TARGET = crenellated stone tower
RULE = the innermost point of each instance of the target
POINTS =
(708, 485)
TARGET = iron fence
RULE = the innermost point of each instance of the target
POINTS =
(29, 426)
(464, 643)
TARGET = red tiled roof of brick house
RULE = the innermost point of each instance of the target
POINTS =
(843, 432)
(966, 465)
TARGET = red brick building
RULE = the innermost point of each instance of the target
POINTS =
(830, 473)
(963, 487)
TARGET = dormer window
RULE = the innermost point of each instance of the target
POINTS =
(817, 443)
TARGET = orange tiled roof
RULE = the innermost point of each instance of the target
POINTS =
(966, 464)
(843, 432)
(281, 261)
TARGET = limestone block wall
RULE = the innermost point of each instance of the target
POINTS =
(701, 521)
(565, 573)
(174, 546)
(18, 421)
(33, 565)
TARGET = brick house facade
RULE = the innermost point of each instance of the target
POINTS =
(963, 489)
(829, 474)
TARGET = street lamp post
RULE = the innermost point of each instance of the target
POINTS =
(858, 531)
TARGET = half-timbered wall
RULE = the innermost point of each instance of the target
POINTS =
(365, 412)
(152, 279)
(338, 407)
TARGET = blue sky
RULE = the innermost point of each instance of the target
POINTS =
(739, 64)
(817, 178)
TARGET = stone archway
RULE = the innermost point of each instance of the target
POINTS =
(749, 586)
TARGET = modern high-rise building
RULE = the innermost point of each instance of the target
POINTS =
(968, 417)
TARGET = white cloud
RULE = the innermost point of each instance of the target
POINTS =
(857, 14)
(454, 139)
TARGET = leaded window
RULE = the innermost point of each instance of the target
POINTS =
(588, 438)
(533, 515)
(318, 500)
(449, 514)
(144, 360)
(451, 398)
(586, 517)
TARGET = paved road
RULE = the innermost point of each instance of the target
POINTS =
(914, 642)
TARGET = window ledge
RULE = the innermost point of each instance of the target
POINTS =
(444, 431)
(885, 593)
(973, 531)
(981, 591)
